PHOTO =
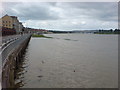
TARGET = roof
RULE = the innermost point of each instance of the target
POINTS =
(13, 16)
(10, 16)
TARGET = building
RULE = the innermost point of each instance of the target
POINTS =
(11, 22)
(20, 27)
(6, 22)
(15, 23)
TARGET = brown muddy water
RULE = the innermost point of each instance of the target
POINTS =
(70, 61)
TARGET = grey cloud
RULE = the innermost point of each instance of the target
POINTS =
(106, 11)
(64, 13)
(41, 11)
(31, 11)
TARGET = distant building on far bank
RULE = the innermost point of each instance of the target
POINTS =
(33, 30)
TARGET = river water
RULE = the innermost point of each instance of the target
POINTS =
(70, 61)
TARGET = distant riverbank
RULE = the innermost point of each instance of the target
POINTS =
(106, 33)
(116, 31)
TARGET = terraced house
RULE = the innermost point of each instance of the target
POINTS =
(11, 22)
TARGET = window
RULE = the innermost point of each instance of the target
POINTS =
(3, 21)
(9, 21)
(6, 21)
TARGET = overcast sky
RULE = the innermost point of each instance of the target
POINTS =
(64, 15)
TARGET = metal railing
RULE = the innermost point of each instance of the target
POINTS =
(10, 45)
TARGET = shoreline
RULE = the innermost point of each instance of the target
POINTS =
(41, 36)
